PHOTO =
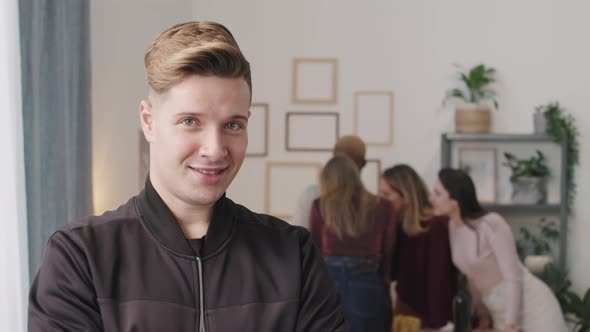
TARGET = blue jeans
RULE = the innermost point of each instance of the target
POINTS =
(363, 292)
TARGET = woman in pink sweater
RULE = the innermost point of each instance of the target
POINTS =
(483, 248)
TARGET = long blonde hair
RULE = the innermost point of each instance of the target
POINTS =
(410, 186)
(346, 206)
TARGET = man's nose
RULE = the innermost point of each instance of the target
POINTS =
(212, 145)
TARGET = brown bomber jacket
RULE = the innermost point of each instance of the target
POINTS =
(131, 269)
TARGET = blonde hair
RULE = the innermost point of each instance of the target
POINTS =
(411, 187)
(201, 48)
(346, 206)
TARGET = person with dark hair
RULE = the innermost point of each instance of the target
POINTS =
(483, 248)
(422, 263)
(181, 256)
(355, 231)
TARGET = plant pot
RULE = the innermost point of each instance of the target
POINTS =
(540, 123)
(472, 118)
(529, 190)
(536, 263)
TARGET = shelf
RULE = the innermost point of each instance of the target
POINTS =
(449, 140)
(498, 137)
(523, 208)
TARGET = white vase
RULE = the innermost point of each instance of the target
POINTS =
(536, 263)
(529, 190)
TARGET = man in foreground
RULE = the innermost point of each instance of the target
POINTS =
(181, 256)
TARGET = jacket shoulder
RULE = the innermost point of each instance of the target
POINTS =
(113, 219)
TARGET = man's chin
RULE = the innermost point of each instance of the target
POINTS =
(205, 199)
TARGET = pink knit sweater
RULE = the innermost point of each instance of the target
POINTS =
(485, 252)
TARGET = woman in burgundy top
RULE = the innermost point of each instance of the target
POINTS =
(422, 264)
(355, 232)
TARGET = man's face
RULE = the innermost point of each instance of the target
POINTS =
(197, 134)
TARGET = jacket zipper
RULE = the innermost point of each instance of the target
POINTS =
(201, 299)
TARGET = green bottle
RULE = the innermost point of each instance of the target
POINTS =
(462, 305)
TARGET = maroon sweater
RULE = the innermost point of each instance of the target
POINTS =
(424, 272)
(377, 244)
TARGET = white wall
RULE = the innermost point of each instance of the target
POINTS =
(120, 33)
(14, 275)
(539, 48)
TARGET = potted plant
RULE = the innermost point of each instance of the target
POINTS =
(473, 114)
(534, 247)
(529, 178)
(576, 309)
(539, 120)
(560, 125)
(579, 311)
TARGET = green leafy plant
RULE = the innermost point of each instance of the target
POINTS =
(561, 125)
(538, 242)
(476, 87)
(534, 166)
(576, 309)
(559, 283)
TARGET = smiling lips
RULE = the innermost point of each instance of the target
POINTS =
(210, 174)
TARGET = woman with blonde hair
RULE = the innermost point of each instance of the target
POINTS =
(355, 232)
(422, 263)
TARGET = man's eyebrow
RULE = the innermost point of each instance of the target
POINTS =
(197, 114)
(183, 114)
(238, 117)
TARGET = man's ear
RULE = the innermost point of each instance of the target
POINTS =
(146, 119)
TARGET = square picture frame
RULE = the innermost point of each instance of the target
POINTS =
(315, 81)
(481, 165)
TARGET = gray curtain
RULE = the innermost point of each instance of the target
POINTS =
(55, 50)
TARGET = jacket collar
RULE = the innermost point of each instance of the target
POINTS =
(163, 225)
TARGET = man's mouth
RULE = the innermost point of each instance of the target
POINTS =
(209, 171)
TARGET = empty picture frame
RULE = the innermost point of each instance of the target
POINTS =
(258, 130)
(480, 164)
(144, 158)
(311, 131)
(285, 181)
(373, 117)
(370, 175)
(315, 81)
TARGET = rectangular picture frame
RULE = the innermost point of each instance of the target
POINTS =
(374, 117)
(258, 130)
(325, 127)
(481, 165)
(315, 81)
(277, 193)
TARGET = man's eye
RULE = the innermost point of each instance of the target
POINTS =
(189, 122)
(233, 126)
